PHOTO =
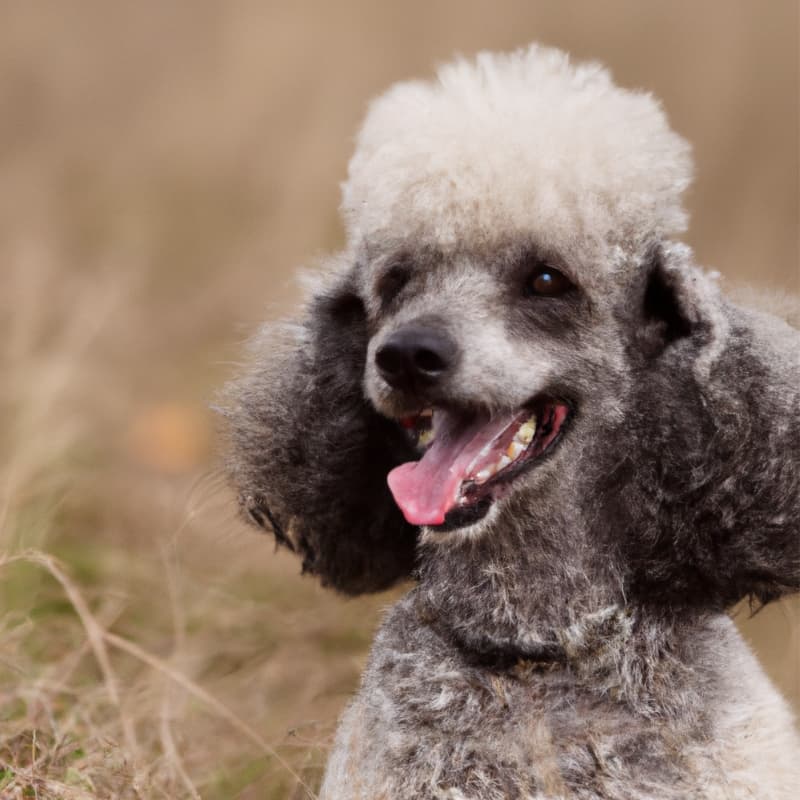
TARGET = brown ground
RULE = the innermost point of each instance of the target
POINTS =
(164, 167)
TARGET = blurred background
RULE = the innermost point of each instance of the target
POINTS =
(165, 167)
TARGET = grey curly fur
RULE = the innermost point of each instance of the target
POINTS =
(573, 643)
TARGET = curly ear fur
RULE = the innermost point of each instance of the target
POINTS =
(310, 455)
(709, 483)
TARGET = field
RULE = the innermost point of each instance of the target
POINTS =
(165, 169)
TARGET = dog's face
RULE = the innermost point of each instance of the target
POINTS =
(492, 359)
(501, 220)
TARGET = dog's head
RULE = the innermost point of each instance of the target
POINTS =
(557, 365)
(501, 218)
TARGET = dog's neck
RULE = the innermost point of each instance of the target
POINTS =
(550, 606)
(589, 645)
(515, 588)
(648, 658)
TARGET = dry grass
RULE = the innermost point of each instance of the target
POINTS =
(165, 167)
(141, 653)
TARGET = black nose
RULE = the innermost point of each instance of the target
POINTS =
(415, 356)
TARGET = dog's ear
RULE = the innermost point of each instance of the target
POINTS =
(708, 484)
(309, 453)
(666, 305)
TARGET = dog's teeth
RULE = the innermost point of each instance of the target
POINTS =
(526, 432)
(425, 437)
(514, 449)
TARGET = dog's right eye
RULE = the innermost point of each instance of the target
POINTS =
(546, 281)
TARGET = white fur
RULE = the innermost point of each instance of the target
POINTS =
(521, 142)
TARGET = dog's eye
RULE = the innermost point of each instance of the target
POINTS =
(393, 281)
(546, 281)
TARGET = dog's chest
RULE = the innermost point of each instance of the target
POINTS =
(529, 733)
(427, 725)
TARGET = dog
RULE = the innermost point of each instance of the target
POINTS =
(516, 386)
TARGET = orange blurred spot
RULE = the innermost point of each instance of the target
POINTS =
(170, 437)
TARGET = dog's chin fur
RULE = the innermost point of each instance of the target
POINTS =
(442, 537)
(674, 494)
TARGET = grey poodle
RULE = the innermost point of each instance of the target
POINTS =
(516, 386)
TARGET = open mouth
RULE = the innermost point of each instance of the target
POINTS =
(470, 461)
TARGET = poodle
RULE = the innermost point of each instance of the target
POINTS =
(516, 386)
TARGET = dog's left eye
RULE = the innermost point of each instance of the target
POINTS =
(546, 281)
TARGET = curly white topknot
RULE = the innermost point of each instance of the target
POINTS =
(520, 143)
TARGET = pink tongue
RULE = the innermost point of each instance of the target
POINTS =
(427, 489)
